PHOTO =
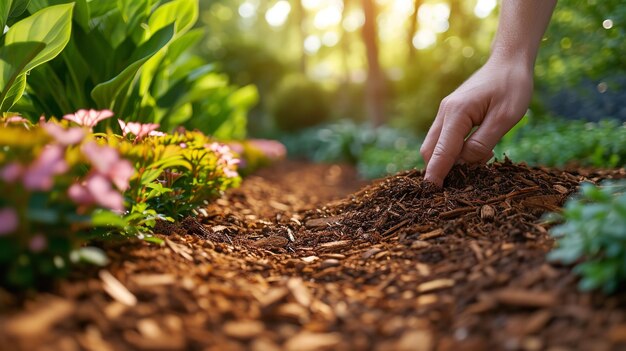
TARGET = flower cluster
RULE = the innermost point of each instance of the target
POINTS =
(61, 180)
(226, 159)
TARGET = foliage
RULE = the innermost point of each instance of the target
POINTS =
(375, 151)
(42, 217)
(175, 174)
(135, 58)
(580, 70)
(593, 236)
(257, 153)
(65, 185)
(299, 103)
(559, 143)
(28, 43)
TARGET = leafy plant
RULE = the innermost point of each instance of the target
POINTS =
(63, 185)
(559, 143)
(55, 197)
(28, 44)
(299, 103)
(375, 151)
(135, 59)
(593, 236)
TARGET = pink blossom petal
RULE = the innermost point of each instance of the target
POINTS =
(49, 163)
(156, 133)
(88, 118)
(11, 172)
(138, 129)
(103, 193)
(101, 156)
(121, 173)
(15, 120)
(236, 147)
(64, 136)
(80, 195)
(271, 148)
(38, 243)
(9, 221)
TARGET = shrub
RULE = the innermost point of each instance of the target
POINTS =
(593, 236)
(299, 103)
(376, 151)
(560, 143)
(28, 43)
(135, 59)
(55, 196)
(63, 185)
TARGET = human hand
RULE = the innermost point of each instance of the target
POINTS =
(495, 98)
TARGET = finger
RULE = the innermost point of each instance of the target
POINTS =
(478, 148)
(426, 150)
(448, 148)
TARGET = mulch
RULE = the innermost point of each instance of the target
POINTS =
(299, 258)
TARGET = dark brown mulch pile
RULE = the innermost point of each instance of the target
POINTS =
(399, 265)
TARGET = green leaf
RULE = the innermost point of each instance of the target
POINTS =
(81, 11)
(17, 7)
(106, 93)
(5, 9)
(52, 26)
(182, 13)
(107, 219)
(98, 8)
(13, 60)
(14, 93)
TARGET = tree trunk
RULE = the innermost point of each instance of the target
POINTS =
(412, 32)
(375, 88)
(301, 18)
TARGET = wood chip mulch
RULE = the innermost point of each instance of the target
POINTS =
(299, 258)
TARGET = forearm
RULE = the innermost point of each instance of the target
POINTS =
(521, 27)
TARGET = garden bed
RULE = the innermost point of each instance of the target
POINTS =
(299, 259)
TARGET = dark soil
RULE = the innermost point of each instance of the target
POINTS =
(296, 260)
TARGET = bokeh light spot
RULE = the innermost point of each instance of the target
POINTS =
(277, 15)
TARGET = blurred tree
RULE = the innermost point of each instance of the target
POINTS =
(375, 90)
(581, 70)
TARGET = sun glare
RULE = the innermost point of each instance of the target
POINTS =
(277, 15)
(483, 8)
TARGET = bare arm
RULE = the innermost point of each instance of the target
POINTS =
(495, 98)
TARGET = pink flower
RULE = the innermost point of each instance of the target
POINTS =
(88, 118)
(140, 130)
(8, 221)
(15, 120)
(107, 161)
(97, 190)
(11, 172)
(38, 243)
(272, 149)
(226, 159)
(64, 136)
(50, 162)
(156, 133)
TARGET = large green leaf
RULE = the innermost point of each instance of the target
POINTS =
(14, 93)
(10, 8)
(13, 61)
(5, 8)
(106, 93)
(184, 13)
(99, 8)
(18, 7)
(51, 26)
(81, 11)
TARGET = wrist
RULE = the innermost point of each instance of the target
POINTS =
(517, 57)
